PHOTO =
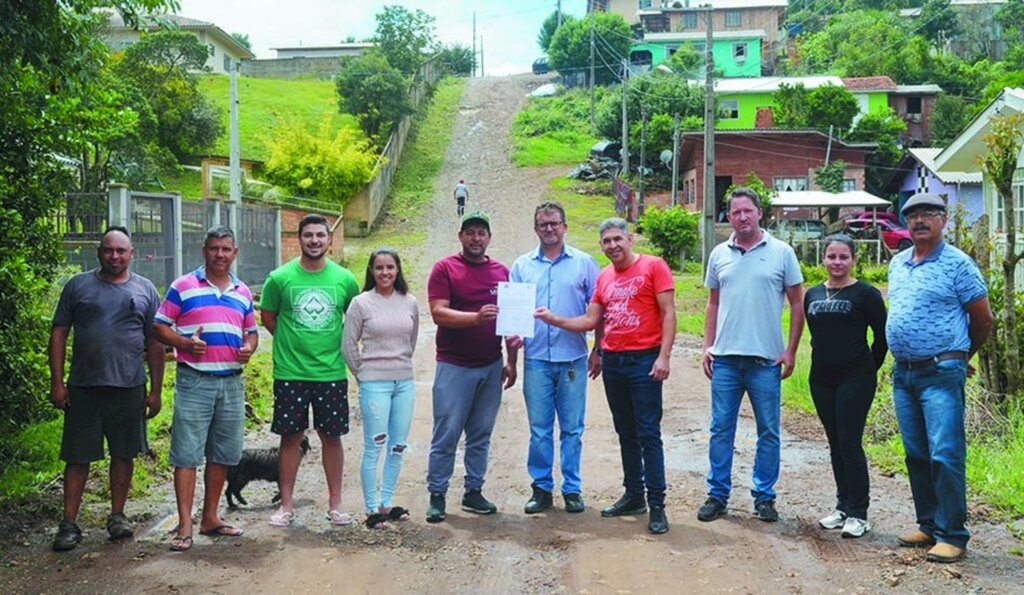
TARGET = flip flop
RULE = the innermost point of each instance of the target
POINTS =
(397, 513)
(376, 520)
(281, 519)
(339, 518)
(223, 530)
(181, 543)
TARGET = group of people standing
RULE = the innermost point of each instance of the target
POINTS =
(324, 328)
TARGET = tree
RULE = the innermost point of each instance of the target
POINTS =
(458, 59)
(243, 40)
(830, 177)
(687, 62)
(375, 92)
(950, 116)
(790, 106)
(883, 127)
(654, 92)
(1003, 145)
(548, 28)
(764, 192)
(404, 36)
(673, 231)
(939, 21)
(1010, 17)
(831, 105)
(569, 51)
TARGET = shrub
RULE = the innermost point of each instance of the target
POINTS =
(673, 232)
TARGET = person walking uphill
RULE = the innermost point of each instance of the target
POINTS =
(634, 298)
(381, 327)
(939, 316)
(207, 316)
(844, 375)
(302, 305)
(748, 276)
(460, 193)
(468, 380)
(111, 310)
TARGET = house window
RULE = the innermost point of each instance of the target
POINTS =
(688, 20)
(698, 47)
(733, 19)
(849, 185)
(913, 105)
(227, 63)
(644, 4)
(212, 48)
(789, 184)
(739, 51)
(1018, 199)
(729, 109)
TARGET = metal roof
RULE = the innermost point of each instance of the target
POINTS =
(678, 5)
(820, 198)
(770, 84)
(702, 36)
(926, 157)
(917, 89)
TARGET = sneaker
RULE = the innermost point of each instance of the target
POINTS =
(626, 506)
(658, 522)
(68, 536)
(573, 503)
(435, 512)
(474, 501)
(711, 510)
(766, 512)
(854, 527)
(833, 521)
(539, 502)
(118, 526)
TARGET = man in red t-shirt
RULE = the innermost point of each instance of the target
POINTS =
(635, 298)
(468, 380)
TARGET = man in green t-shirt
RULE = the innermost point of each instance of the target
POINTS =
(303, 305)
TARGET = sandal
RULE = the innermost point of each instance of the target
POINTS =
(339, 518)
(181, 543)
(397, 513)
(376, 521)
(222, 530)
(281, 519)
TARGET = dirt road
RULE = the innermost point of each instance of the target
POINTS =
(511, 552)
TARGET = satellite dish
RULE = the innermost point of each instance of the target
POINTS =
(666, 157)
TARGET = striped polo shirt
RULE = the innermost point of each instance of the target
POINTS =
(194, 302)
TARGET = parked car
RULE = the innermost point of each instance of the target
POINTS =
(894, 236)
(892, 217)
(797, 229)
(540, 66)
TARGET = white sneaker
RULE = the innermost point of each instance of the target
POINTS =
(834, 520)
(854, 527)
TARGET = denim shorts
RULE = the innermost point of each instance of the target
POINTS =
(209, 419)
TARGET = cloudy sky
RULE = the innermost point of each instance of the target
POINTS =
(508, 27)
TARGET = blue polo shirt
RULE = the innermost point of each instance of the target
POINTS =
(564, 286)
(752, 287)
(926, 302)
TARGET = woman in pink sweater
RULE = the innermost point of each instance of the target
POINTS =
(381, 326)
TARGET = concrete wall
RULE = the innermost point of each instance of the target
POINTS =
(292, 68)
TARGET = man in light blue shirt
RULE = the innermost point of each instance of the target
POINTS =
(556, 362)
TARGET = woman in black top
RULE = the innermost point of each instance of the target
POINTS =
(844, 376)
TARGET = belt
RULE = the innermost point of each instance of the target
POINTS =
(183, 366)
(628, 352)
(920, 363)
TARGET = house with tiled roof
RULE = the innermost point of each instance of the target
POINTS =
(224, 49)
(871, 92)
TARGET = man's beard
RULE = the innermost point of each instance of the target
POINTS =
(314, 256)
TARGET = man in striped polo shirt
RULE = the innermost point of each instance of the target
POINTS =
(207, 316)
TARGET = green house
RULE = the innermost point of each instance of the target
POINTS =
(736, 53)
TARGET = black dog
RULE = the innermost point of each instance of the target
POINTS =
(256, 463)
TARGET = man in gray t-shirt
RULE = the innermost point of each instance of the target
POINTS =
(111, 311)
(744, 351)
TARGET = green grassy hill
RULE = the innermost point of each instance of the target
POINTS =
(264, 102)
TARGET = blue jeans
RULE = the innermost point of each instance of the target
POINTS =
(386, 407)
(731, 376)
(930, 409)
(555, 388)
(634, 398)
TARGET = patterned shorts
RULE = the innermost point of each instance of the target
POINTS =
(292, 399)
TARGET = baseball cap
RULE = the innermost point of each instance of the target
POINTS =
(475, 217)
(923, 199)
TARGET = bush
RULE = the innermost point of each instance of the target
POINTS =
(328, 166)
(673, 232)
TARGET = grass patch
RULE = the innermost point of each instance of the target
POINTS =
(263, 103)
(188, 183)
(553, 130)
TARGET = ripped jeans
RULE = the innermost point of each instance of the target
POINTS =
(386, 407)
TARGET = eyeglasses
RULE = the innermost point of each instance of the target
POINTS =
(549, 225)
(929, 214)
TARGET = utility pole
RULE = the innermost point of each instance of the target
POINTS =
(625, 119)
(675, 163)
(593, 109)
(643, 147)
(559, 15)
(235, 160)
(708, 224)
(474, 43)
(482, 56)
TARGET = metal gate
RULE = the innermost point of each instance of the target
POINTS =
(152, 225)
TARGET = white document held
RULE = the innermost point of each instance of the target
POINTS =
(516, 303)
